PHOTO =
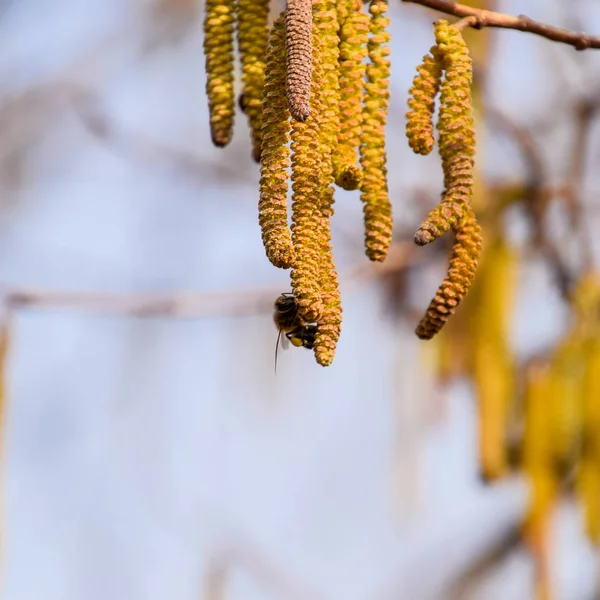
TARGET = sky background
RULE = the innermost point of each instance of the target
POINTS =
(141, 451)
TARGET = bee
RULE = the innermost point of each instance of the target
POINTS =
(295, 329)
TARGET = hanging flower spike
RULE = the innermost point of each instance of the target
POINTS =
(329, 324)
(272, 206)
(463, 263)
(374, 189)
(253, 35)
(421, 101)
(354, 35)
(298, 41)
(457, 134)
(218, 49)
(306, 186)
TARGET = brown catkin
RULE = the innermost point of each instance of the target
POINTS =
(354, 35)
(419, 119)
(463, 262)
(457, 134)
(218, 50)
(307, 178)
(298, 39)
(374, 190)
(329, 325)
(253, 34)
(275, 161)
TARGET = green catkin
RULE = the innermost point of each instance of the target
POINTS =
(275, 161)
(463, 263)
(419, 120)
(457, 134)
(253, 34)
(353, 52)
(374, 190)
(218, 50)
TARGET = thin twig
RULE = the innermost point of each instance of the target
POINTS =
(189, 304)
(488, 18)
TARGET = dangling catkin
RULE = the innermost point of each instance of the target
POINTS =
(329, 325)
(253, 33)
(374, 190)
(457, 134)
(463, 262)
(298, 40)
(218, 50)
(307, 203)
(419, 120)
(354, 34)
(272, 207)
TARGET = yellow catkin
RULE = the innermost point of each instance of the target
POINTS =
(374, 189)
(587, 300)
(218, 50)
(419, 119)
(253, 33)
(329, 325)
(272, 207)
(298, 37)
(463, 263)
(307, 202)
(457, 134)
(563, 403)
(354, 35)
(537, 463)
(492, 360)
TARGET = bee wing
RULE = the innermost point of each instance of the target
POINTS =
(281, 341)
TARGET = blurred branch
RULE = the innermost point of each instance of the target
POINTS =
(98, 123)
(487, 18)
(264, 571)
(190, 304)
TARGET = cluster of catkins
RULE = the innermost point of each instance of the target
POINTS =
(315, 89)
(318, 77)
(447, 70)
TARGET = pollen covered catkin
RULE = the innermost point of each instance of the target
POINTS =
(463, 263)
(307, 163)
(326, 28)
(419, 120)
(457, 133)
(253, 33)
(374, 190)
(298, 40)
(275, 161)
(218, 50)
(354, 34)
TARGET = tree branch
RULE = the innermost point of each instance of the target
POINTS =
(189, 304)
(487, 18)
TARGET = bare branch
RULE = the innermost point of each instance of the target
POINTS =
(188, 304)
(487, 18)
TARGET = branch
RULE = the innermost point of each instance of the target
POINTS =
(486, 18)
(190, 304)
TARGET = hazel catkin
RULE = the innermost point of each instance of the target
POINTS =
(253, 34)
(275, 161)
(218, 50)
(298, 41)
(374, 190)
(463, 262)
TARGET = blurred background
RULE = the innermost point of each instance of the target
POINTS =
(152, 457)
